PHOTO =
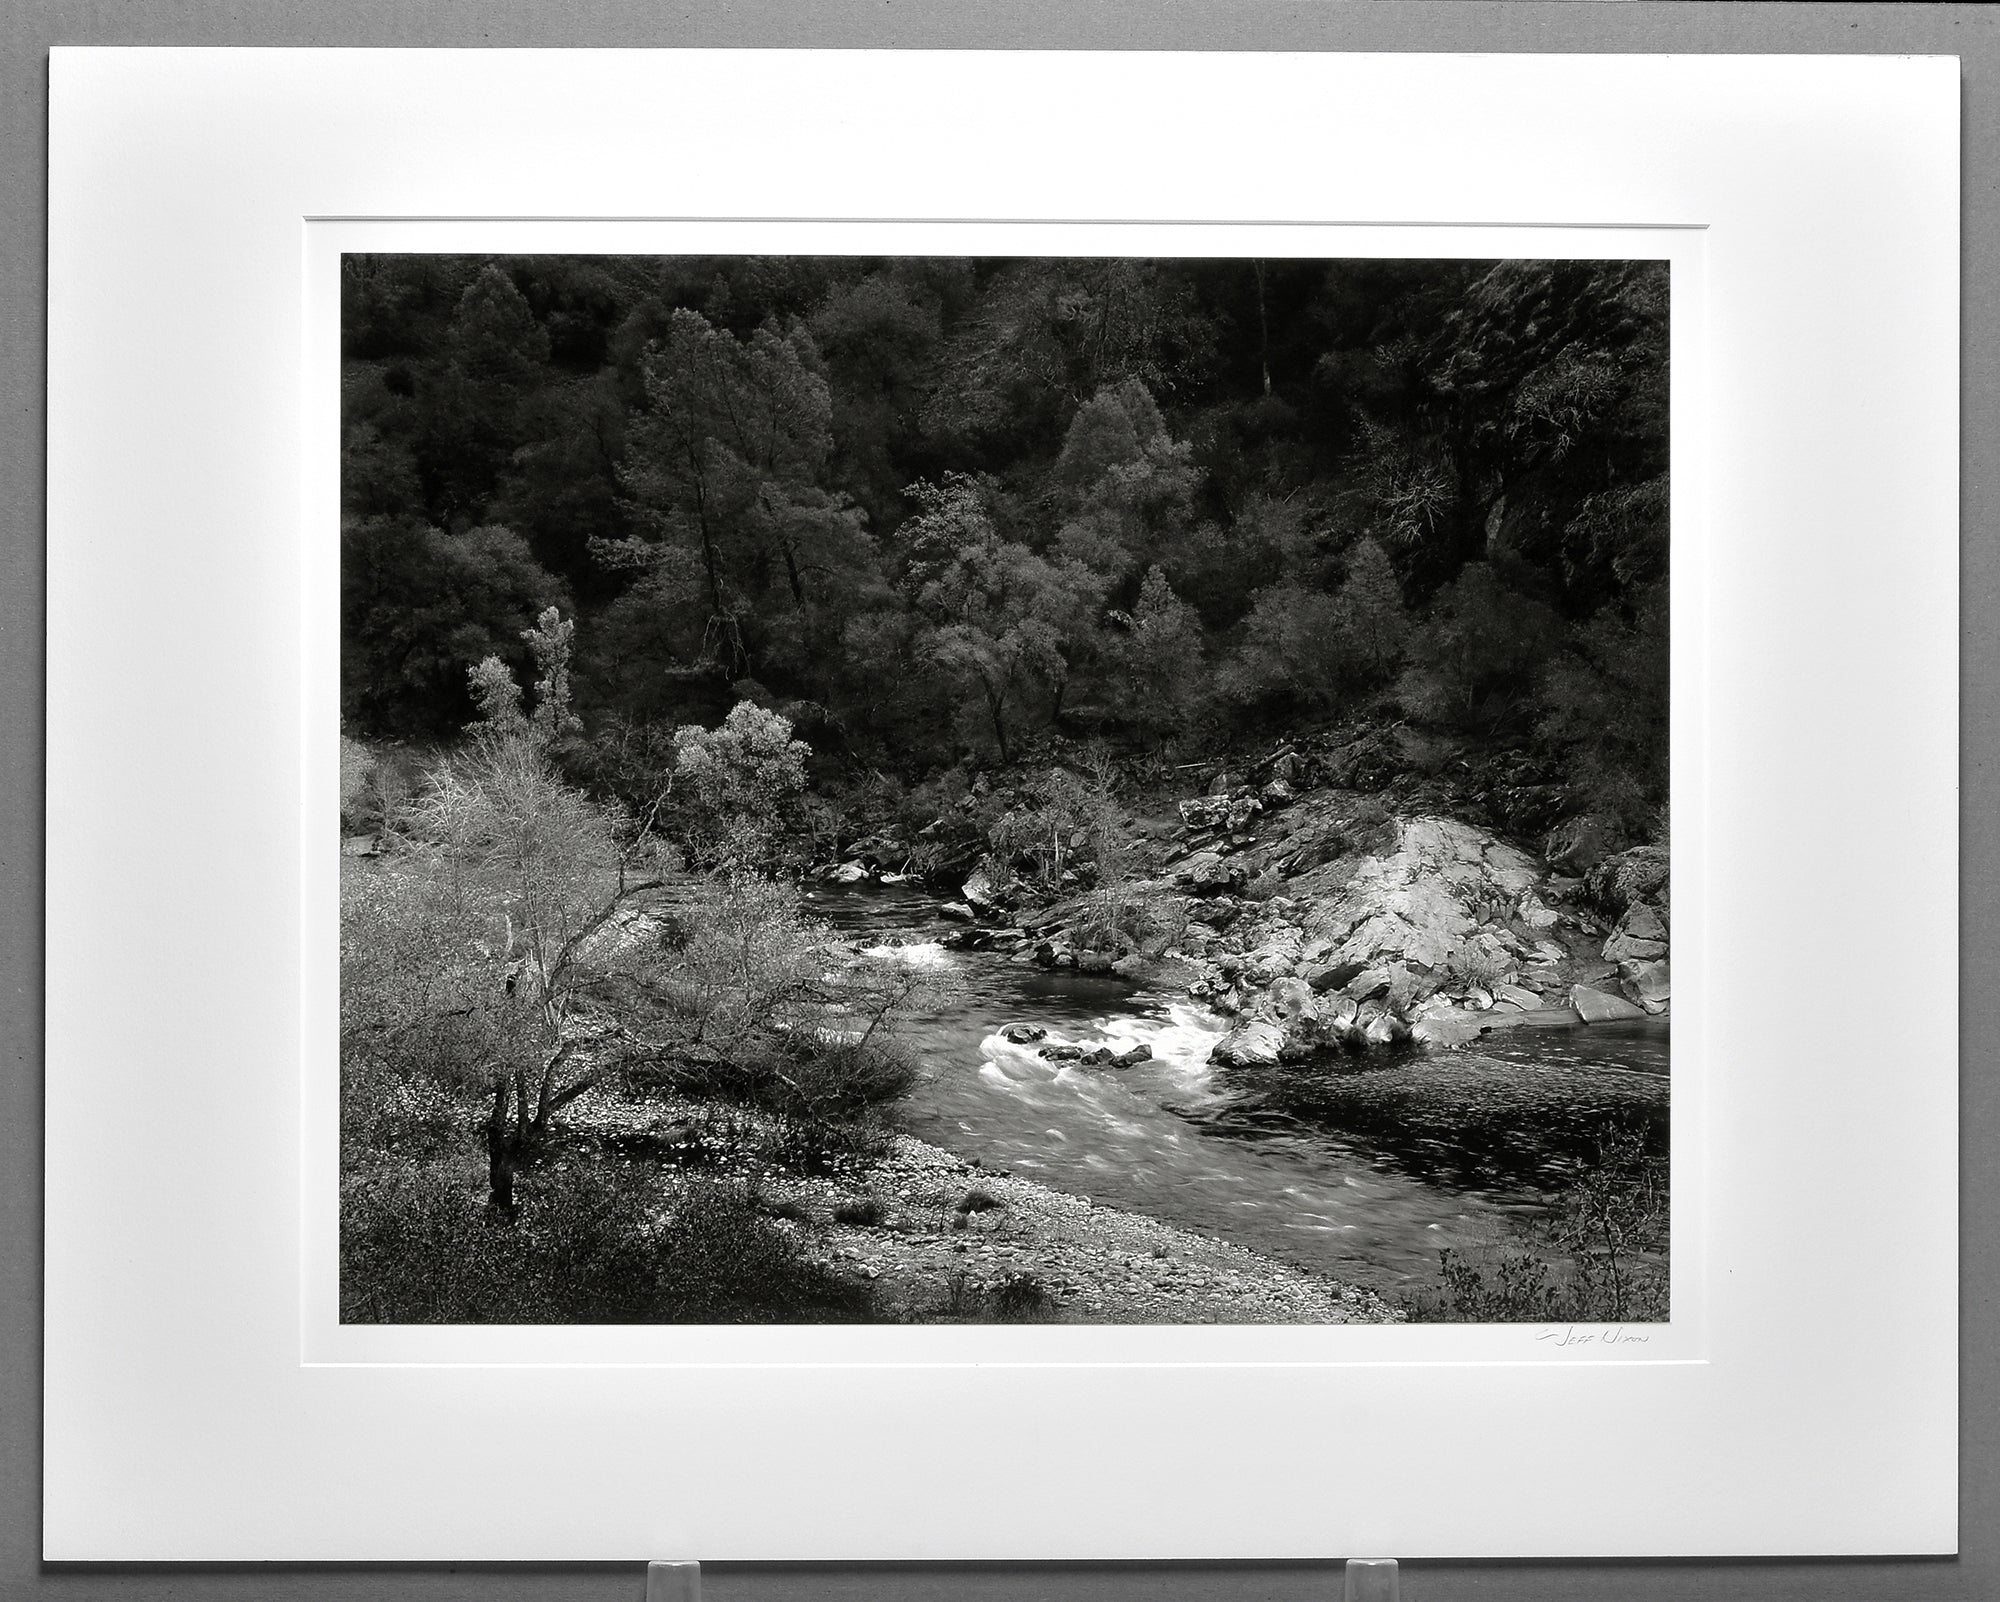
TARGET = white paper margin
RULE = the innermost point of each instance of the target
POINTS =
(1820, 197)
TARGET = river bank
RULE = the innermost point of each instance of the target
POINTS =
(942, 1238)
(1299, 1017)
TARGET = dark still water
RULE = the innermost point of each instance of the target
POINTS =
(1362, 1174)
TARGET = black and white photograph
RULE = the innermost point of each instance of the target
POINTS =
(1004, 790)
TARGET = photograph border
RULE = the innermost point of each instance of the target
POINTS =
(327, 1340)
(196, 145)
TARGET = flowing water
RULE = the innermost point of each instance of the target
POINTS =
(1363, 1174)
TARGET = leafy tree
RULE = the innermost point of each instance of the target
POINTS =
(1005, 623)
(1474, 659)
(741, 789)
(1126, 484)
(891, 698)
(560, 487)
(1158, 667)
(1605, 711)
(467, 958)
(418, 606)
(880, 338)
(903, 492)
(1043, 335)
(725, 461)
(472, 411)
(1368, 614)
(1291, 648)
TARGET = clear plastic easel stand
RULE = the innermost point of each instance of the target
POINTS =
(1372, 1580)
(1368, 1580)
(673, 1582)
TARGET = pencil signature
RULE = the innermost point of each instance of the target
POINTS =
(1592, 1335)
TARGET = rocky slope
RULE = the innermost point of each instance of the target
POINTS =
(1323, 920)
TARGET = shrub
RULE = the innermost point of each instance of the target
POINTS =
(825, 1146)
(1597, 1258)
(386, 1111)
(357, 768)
(1118, 915)
(1291, 650)
(741, 789)
(1478, 965)
(1070, 824)
(593, 1245)
(1474, 660)
(1022, 1295)
(1604, 716)
(862, 1211)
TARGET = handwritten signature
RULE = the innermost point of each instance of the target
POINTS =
(1602, 1335)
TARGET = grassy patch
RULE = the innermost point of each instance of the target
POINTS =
(594, 1244)
(1599, 1257)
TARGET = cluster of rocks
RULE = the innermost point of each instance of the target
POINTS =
(1320, 922)
(1099, 1056)
(1323, 914)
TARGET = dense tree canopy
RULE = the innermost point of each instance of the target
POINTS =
(937, 507)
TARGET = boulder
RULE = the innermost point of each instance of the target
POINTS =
(1648, 983)
(1641, 874)
(1206, 873)
(1446, 1026)
(1254, 1043)
(1023, 1034)
(1600, 1006)
(1337, 1012)
(1290, 1022)
(1538, 917)
(1331, 975)
(978, 890)
(1094, 961)
(1622, 947)
(361, 845)
(1205, 812)
(1241, 811)
(957, 911)
(1132, 1056)
(1274, 955)
(1643, 922)
(1581, 844)
(847, 873)
(1061, 1053)
(1506, 995)
(1277, 793)
(1369, 983)
(1386, 1029)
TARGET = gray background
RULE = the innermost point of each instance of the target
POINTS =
(30, 27)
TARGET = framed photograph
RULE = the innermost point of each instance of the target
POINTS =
(811, 782)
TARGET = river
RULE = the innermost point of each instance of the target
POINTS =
(1362, 1174)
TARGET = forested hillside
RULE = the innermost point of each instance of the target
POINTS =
(939, 509)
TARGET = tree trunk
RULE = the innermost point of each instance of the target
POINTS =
(993, 705)
(502, 1158)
